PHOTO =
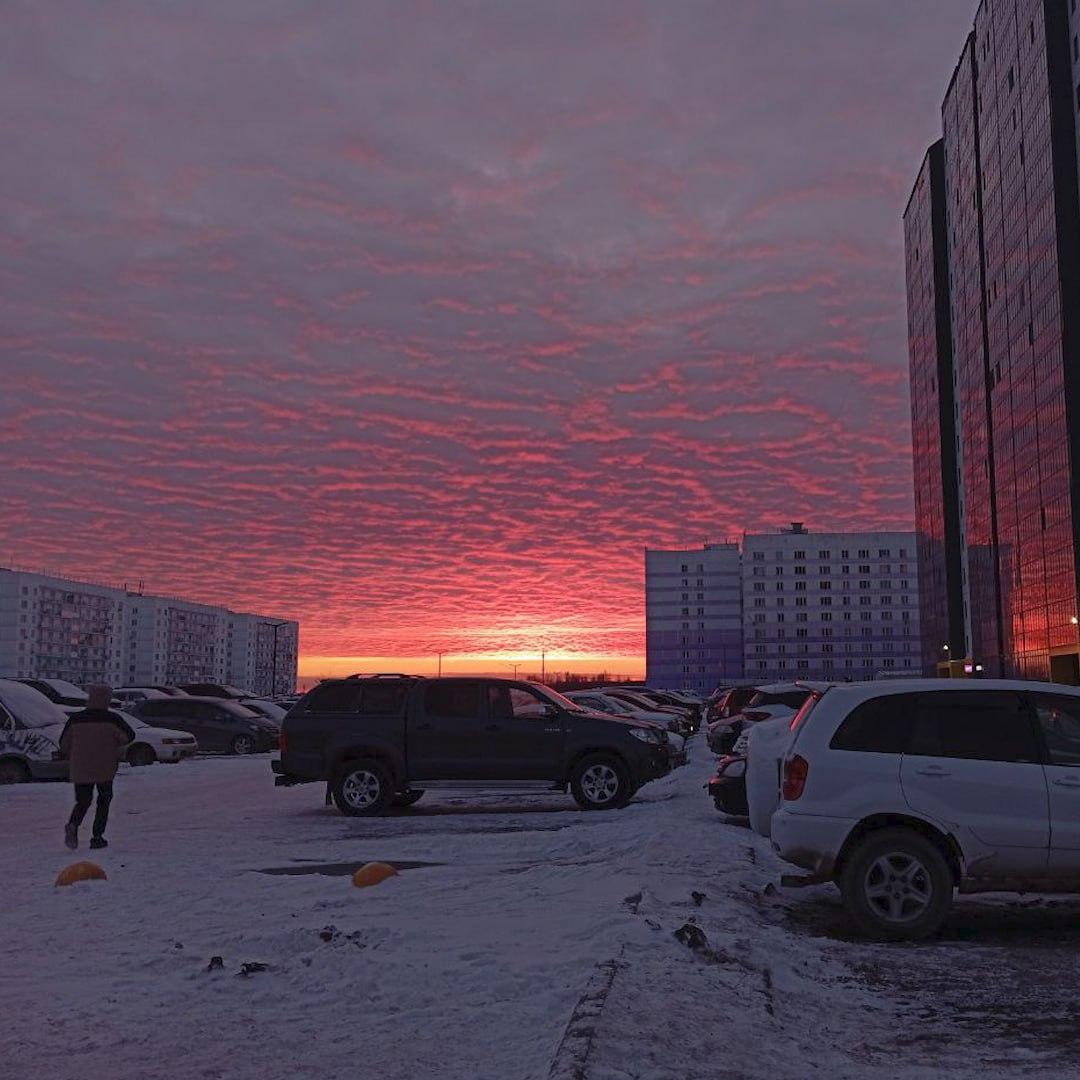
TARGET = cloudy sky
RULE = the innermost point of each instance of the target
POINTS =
(418, 320)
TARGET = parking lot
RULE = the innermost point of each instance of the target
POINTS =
(522, 938)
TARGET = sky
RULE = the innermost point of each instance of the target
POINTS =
(419, 320)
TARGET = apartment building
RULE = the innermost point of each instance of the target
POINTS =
(53, 627)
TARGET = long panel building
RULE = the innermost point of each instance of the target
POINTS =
(53, 627)
(1007, 193)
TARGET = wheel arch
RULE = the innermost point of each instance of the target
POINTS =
(16, 759)
(375, 753)
(579, 755)
(943, 841)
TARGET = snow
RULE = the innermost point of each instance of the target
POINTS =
(533, 940)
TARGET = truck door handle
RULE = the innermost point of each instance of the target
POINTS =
(1068, 781)
(933, 770)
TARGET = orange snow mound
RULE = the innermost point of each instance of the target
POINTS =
(81, 871)
(372, 873)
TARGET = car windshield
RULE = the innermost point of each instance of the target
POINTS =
(618, 705)
(131, 719)
(242, 710)
(556, 698)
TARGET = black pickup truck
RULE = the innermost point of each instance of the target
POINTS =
(380, 741)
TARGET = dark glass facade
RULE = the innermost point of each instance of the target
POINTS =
(937, 517)
(1013, 234)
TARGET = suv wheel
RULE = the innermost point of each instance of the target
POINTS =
(896, 886)
(363, 788)
(600, 782)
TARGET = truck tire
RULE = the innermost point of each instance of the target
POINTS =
(896, 885)
(601, 782)
(363, 788)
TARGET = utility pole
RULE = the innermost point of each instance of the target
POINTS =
(440, 655)
(543, 665)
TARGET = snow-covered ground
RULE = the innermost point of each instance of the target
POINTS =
(538, 941)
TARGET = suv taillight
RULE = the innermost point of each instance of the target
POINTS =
(795, 772)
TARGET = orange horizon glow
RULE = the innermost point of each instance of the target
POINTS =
(312, 667)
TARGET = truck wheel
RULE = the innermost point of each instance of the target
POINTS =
(601, 782)
(363, 788)
(141, 755)
(13, 772)
(407, 798)
(896, 886)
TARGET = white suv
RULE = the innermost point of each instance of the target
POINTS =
(902, 792)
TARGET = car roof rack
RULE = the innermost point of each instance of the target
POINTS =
(384, 675)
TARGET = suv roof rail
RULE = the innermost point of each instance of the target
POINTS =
(384, 675)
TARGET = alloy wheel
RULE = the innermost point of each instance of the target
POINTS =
(600, 783)
(361, 789)
(898, 887)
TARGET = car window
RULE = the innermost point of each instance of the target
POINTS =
(516, 703)
(460, 699)
(154, 707)
(977, 725)
(383, 696)
(1059, 720)
(880, 726)
(6, 722)
(337, 697)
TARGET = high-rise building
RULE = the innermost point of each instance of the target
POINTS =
(1012, 231)
(693, 617)
(937, 508)
(832, 606)
(52, 627)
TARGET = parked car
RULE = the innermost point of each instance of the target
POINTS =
(727, 788)
(598, 701)
(381, 739)
(127, 694)
(767, 703)
(218, 725)
(901, 793)
(215, 690)
(729, 702)
(640, 701)
(30, 729)
(67, 695)
(150, 744)
(270, 710)
(669, 725)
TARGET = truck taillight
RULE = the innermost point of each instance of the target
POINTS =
(795, 772)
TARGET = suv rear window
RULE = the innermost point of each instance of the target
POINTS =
(978, 725)
(355, 696)
(880, 726)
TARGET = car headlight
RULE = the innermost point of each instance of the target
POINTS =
(645, 734)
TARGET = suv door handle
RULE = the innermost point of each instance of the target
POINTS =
(1068, 781)
(933, 770)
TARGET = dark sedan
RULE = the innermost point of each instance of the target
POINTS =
(217, 724)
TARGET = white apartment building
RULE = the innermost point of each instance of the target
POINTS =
(53, 627)
(832, 606)
(693, 617)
